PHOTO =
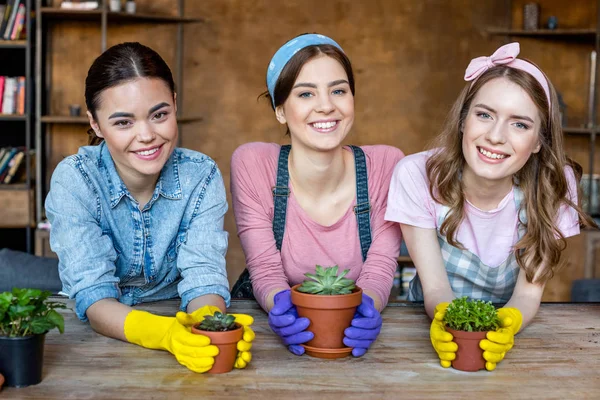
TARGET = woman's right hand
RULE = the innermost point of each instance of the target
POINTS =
(284, 321)
(440, 338)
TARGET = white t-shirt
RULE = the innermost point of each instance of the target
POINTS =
(488, 234)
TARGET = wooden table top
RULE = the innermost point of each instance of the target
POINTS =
(558, 356)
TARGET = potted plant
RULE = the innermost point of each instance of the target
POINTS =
(469, 321)
(329, 301)
(25, 318)
(224, 333)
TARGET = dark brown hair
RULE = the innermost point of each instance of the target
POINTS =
(542, 179)
(287, 78)
(119, 64)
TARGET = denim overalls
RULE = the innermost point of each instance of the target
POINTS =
(243, 287)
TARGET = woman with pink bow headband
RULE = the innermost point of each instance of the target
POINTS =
(485, 214)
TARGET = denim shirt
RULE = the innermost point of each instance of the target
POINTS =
(109, 248)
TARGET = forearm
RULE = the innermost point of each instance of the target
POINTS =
(376, 300)
(107, 317)
(206, 300)
(270, 299)
(527, 305)
(435, 297)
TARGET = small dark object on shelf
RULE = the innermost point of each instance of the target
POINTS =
(74, 110)
(552, 22)
(531, 16)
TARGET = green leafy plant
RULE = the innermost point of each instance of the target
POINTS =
(25, 312)
(467, 315)
(218, 323)
(327, 282)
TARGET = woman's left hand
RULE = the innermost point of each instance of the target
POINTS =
(244, 355)
(365, 327)
(498, 343)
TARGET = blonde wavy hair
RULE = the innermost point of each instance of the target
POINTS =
(542, 179)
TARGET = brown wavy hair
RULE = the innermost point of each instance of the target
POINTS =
(542, 179)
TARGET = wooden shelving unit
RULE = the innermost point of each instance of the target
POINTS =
(17, 199)
(96, 15)
(578, 34)
(13, 44)
(588, 36)
(50, 17)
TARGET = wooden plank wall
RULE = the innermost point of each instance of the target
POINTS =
(409, 58)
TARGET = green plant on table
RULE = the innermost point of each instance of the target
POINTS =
(219, 322)
(327, 282)
(467, 315)
(25, 312)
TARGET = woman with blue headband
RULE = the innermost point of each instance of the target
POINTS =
(315, 201)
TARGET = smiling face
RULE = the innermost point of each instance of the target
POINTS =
(137, 121)
(319, 111)
(500, 132)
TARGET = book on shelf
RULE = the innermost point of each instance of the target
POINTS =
(14, 14)
(12, 95)
(8, 155)
(12, 161)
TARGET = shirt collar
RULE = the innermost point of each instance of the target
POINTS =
(168, 184)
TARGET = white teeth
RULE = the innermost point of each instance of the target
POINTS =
(491, 155)
(147, 152)
(324, 125)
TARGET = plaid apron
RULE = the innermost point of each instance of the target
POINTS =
(468, 275)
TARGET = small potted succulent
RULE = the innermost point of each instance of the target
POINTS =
(224, 333)
(469, 321)
(25, 318)
(329, 301)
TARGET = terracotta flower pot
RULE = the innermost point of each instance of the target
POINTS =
(469, 356)
(1, 381)
(329, 316)
(227, 344)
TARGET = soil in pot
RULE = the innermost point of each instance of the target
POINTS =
(329, 316)
(227, 343)
(22, 359)
(469, 356)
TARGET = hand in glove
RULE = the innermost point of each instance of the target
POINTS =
(498, 343)
(284, 321)
(365, 327)
(167, 333)
(440, 338)
(244, 355)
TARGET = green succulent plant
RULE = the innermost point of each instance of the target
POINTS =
(218, 323)
(467, 315)
(326, 281)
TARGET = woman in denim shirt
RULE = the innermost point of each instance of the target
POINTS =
(135, 219)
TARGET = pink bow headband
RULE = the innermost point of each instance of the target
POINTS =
(506, 55)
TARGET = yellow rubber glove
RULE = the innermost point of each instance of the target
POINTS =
(244, 356)
(440, 339)
(166, 333)
(498, 343)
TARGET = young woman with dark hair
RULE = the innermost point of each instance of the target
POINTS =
(485, 214)
(316, 201)
(135, 219)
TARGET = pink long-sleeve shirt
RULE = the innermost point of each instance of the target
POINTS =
(306, 242)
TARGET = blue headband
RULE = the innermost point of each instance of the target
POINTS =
(287, 51)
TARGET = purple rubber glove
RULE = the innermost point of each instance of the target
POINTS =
(365, 327)
(284, 321)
